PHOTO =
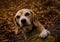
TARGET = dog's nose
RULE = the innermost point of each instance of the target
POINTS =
(23, 21)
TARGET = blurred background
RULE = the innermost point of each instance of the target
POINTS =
(47, 12)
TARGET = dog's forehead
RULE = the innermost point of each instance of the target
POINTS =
(25, 11)
(22, 11)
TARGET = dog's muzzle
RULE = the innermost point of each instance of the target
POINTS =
(23, 21)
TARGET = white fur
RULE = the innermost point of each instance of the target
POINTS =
(44, 33)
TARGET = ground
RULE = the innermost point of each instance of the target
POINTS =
(47, 12)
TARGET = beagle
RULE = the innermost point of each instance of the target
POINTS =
(26, 20)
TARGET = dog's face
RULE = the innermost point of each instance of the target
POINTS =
(24, 18)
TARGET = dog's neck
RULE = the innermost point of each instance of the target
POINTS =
(33, 28)
(31, 32)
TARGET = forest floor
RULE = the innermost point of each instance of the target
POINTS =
(47, 12)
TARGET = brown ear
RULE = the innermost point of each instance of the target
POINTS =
(36, 23)
(16, 26)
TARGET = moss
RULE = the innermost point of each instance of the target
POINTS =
(48, 39)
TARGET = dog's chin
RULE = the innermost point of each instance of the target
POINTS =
(27, 27)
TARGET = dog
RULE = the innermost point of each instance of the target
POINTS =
(26, 20)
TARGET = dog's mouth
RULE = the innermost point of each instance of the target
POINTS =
(24, 25)
(27, 27)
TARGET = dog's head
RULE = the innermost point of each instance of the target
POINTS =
(25, 18)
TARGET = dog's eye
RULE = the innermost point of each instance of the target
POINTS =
(26, 14)
(17, 17)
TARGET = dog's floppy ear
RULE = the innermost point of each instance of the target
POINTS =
(34, 17)
(36, 22)
(16, 25)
